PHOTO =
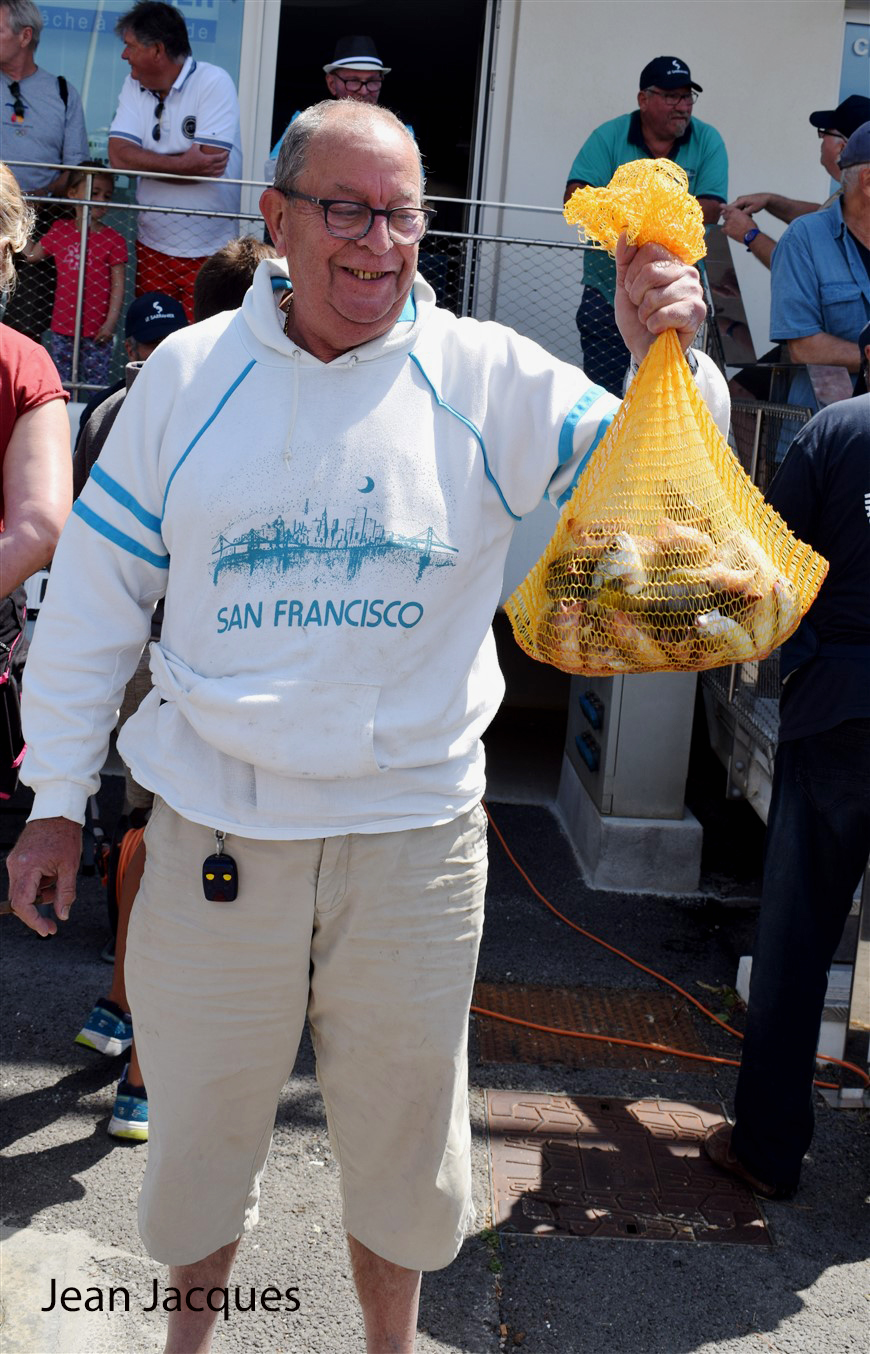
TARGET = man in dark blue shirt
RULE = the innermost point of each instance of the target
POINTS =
(818, 832)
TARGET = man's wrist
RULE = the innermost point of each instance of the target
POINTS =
(751, 235)
(690, 356)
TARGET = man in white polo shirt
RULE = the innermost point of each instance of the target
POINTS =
(181, 117)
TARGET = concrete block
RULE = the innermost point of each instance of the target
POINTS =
(633, 855)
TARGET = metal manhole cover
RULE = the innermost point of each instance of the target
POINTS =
(647, 1016)
(629, 1169)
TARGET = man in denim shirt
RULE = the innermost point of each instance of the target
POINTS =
(820, 276)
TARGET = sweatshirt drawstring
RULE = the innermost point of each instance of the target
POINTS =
(288, 441)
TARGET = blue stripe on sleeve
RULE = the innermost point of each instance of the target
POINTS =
(126, 499)
(602, 429)
(462, 419)
(209, 421)
(566, 436)
(104, 528)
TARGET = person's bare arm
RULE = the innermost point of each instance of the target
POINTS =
(33, 253)
(106, 331)
(736, 223)
(571, 185)
(711, 207)
(197, 162)
(37, 492)
(43, 865)
(783, 208)
(826, 350)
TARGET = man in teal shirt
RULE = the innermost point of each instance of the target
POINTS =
(662, 125)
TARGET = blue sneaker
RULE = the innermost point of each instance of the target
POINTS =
(130, 1112)
(106, 1031)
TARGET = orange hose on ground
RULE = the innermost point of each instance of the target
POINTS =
(660, 977)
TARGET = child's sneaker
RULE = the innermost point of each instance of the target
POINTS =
(130, 1112)
(107, 1029)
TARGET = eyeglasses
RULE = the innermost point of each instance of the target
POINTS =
(675, 97)
(158, 114)
(353, 85)
(823, 132)
(18, 108)
(354, 220)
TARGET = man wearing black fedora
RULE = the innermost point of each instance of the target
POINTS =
(355, 71)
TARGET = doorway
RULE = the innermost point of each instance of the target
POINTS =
(436, 55)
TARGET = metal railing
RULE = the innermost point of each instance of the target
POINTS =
(523, 280)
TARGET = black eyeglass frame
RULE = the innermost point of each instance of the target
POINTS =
(830, 131)
(354, 84)
(326, 202)
(671, 97)
(158, 114)
(18, 105)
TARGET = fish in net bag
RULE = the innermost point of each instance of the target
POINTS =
(666, 557)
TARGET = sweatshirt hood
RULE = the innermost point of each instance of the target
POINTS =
(267, 341)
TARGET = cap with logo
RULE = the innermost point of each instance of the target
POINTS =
(152, 316)
(667, 72)
(846, 118)
(857, 149)
(356, 53)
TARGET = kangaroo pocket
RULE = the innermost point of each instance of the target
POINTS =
(291, 728)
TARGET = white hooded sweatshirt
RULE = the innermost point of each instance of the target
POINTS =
(330, 539)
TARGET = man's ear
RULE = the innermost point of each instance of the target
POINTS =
(274, 207)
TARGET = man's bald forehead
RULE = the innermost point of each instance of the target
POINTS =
(345, 122)
(347, 119)
(331, 124)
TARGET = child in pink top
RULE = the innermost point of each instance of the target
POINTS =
(104, 281)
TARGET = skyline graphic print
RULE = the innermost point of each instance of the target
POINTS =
(320, 541)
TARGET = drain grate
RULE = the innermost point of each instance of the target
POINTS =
(647, 1016)
(630, 1169)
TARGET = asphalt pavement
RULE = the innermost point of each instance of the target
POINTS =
(69, 1191)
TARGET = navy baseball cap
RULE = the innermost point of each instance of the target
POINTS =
(857, 149)
(667, 72)
(846, 118)
(152, 316)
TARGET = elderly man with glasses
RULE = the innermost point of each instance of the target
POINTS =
(179, 117)
(323, 485)
(661, 125)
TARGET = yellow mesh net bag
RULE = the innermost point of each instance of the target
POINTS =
(667, 557)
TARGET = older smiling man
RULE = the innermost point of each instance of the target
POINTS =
(324, 485)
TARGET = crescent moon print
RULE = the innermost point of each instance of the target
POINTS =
(368, 486)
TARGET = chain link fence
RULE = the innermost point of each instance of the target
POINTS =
(512, 275)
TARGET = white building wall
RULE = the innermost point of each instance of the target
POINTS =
(564, 66)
